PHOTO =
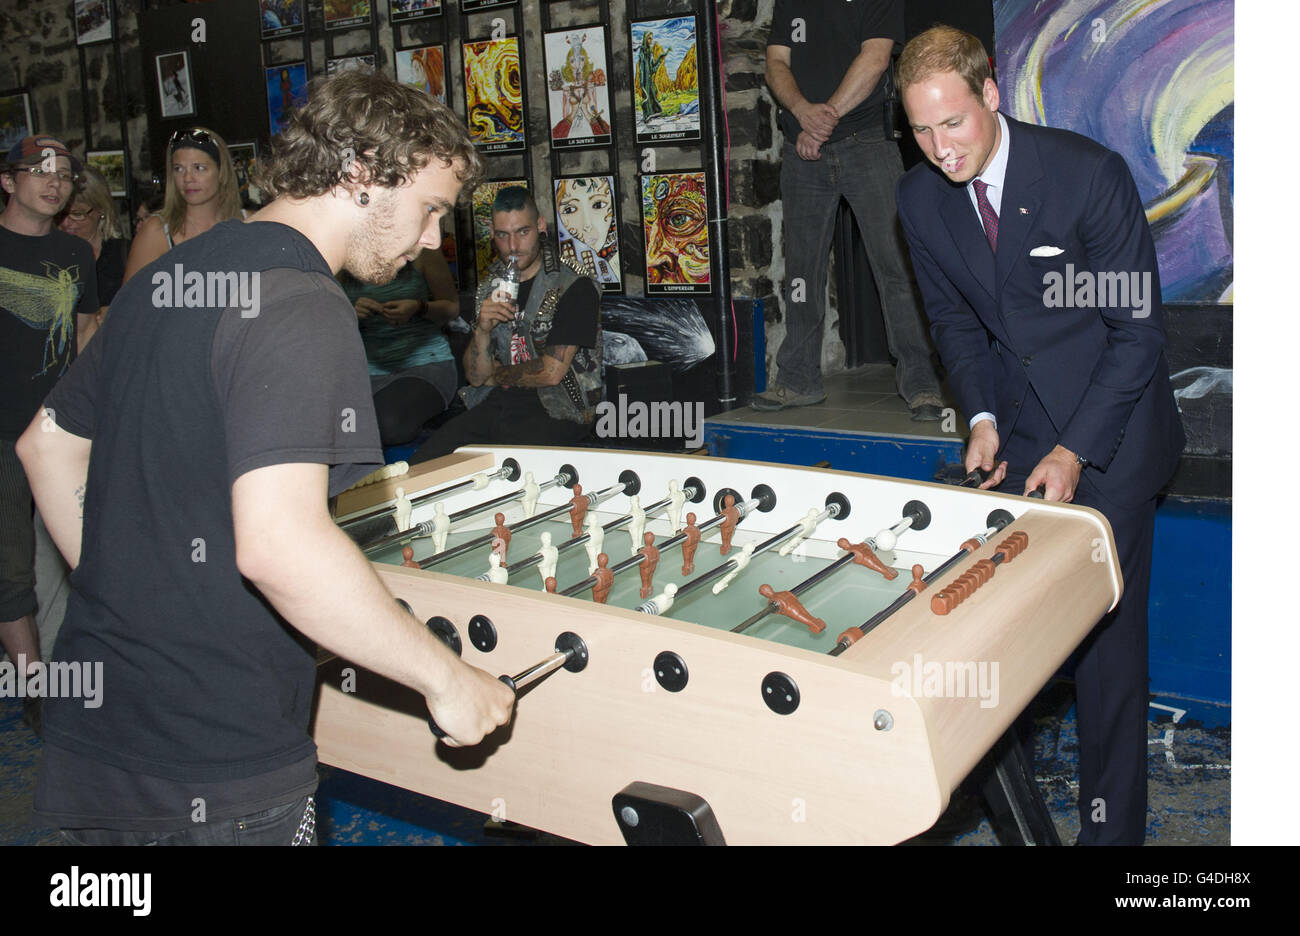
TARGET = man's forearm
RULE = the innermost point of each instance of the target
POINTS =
(863, 75)
(479, 362)
(784, 88)
(56, 463)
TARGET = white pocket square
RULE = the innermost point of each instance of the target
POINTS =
(1046, 252)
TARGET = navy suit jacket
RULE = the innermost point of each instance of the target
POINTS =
(1098, 367)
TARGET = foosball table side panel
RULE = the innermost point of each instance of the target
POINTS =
(975, 669)
(822, 774)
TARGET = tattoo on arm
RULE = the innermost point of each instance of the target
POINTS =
(81, 501)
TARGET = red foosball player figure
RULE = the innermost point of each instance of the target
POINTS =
(863, 555)
(732, 513)
(501, 532)
(692, 540)
(651, 553)
(550, 584)
(579, 509)
(408, 558)
(788, 604)
(604, 580)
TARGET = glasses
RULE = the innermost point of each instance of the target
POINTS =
(81, 215)
(193, 135)
(63, 176)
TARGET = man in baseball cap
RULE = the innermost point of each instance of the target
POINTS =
(47, 305)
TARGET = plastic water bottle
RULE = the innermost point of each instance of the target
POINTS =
(508, 287)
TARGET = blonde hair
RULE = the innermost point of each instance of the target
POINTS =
(228, 204)
(943, 49)
(94, 191)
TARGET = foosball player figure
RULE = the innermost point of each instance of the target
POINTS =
(604, 579)
(788, 604)
(689, 544)
(863, 555)
(503, 532)
(579, 509)
(550, 584)
(732, 514)
(648, 564)
(408, 558)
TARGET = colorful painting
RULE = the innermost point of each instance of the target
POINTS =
(94, 21)
(346, 14)
(675, 218)
(286, 89)
(111, 164)
(577, 88)
(424, 69)
(175, 88)
(665, 80)
(494, 95)
(586, 214)
(481, 212)
(470, 6)
(281, 18)
(404, 11)
(15, 118)
(347, 63)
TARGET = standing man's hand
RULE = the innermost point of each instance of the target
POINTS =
(1059, 471)
(982, 450)
(807, 147)
(818, 120)
(472, 706)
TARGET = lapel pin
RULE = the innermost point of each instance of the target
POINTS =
(1024, 211)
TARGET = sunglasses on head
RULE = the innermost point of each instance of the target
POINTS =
(193, 135)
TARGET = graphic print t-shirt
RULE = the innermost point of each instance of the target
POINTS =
(45, 282)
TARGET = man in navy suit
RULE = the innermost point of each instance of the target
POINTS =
(1039, 277)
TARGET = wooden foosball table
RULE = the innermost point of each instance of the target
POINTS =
(831, 677)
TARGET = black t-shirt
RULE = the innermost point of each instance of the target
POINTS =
(576, 319)
(110, 268)
(182, 393)
(824, 37)
(45, 283)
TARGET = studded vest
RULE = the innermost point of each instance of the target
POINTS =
(575, 397)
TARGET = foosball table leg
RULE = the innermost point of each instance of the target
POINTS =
(1016, 807)
(656, 815)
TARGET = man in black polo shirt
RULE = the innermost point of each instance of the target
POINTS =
(240, 402)
(825, 62)
(534, 361)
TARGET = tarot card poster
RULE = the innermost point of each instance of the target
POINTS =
(494, 95)
(675, 217)
(175, 89)
(424, 69)
(94, 21)
(665, 80)
(281, 18)
(347, 63)
(586, 214)
(346, 14)
(577, 87)
(402, 11)
(286, 89)
(469, 6)
(481, 212)
(243, 157)
(15, 118)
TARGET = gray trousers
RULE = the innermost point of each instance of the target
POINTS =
(865, 174)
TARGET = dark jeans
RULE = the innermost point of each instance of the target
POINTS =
(496, 421)
(279, 825)
(864, 173)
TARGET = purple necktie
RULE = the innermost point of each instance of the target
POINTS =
(987, 214)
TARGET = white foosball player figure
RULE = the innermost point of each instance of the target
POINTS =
(636, 529)
(441, 526)
(808, 526)
(531, 492)
(495, 573)
(550, 557)
(661, 602)
(741, 561)
(402, 510)
(676, 500)
(596, 532)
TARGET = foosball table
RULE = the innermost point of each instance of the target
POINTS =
(713, 649)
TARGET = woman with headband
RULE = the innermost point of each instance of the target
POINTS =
(201, 192)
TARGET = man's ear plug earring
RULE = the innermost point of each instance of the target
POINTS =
(364, 198)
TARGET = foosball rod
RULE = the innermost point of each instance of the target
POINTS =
(469, 545)
(570, 653)
(997, 521)
(915, 514)
(509, 471)
(564, 477)
(692, 495)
